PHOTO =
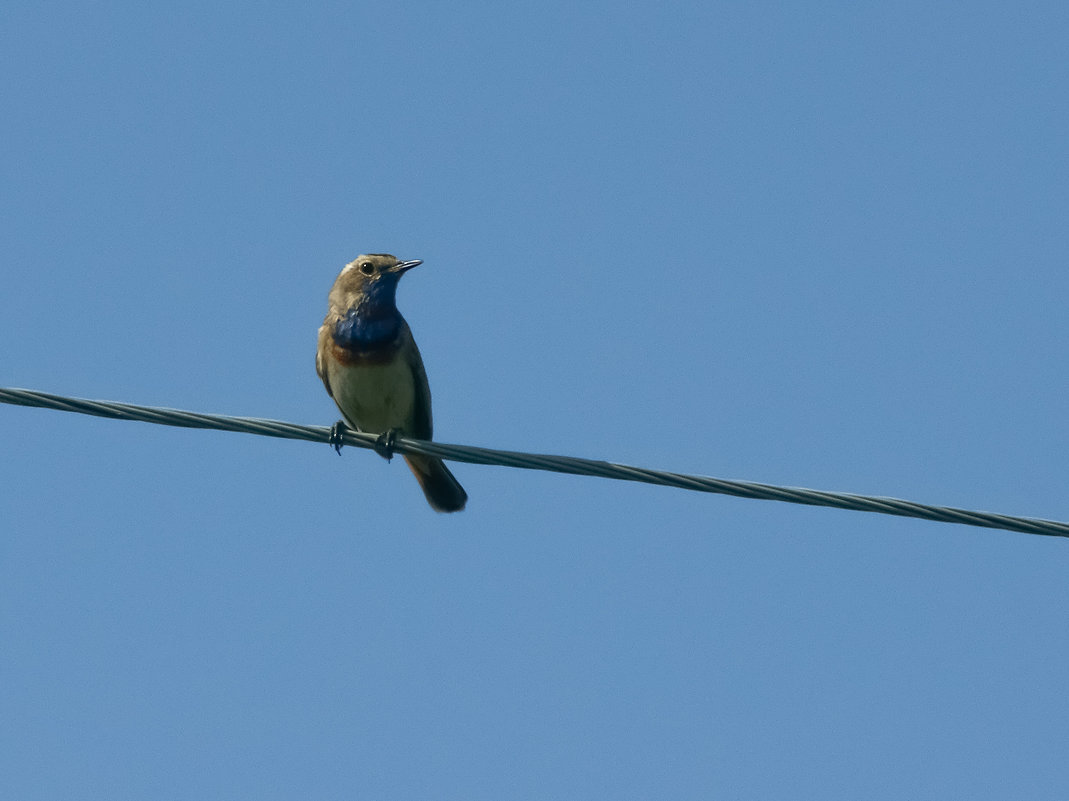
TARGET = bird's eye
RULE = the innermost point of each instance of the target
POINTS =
(367, 268)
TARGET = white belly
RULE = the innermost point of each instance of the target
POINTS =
(375, 398)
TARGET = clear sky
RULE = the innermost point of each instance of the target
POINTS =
(822, 245)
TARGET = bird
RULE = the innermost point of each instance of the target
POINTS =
(371, 367)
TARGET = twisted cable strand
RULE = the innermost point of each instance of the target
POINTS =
(532, 461)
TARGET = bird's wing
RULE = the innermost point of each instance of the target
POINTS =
(321, 357)
(422, 426)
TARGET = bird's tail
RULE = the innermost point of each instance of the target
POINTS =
(443, 491)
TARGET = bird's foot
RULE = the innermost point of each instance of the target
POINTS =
(337, 433)
(384, 444)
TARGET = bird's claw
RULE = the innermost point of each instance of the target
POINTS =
(337, 435)
(384, 444)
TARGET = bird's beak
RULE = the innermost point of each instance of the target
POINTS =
(406, 265)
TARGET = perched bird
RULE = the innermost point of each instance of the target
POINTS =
(371, 366)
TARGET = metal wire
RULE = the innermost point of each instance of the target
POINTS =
(530, 461)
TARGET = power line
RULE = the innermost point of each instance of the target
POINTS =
(530, 461)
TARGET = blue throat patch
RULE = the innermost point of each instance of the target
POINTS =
(375, 321)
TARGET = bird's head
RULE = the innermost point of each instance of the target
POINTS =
(370, 278)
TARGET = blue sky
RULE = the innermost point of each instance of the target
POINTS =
(821, 245)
